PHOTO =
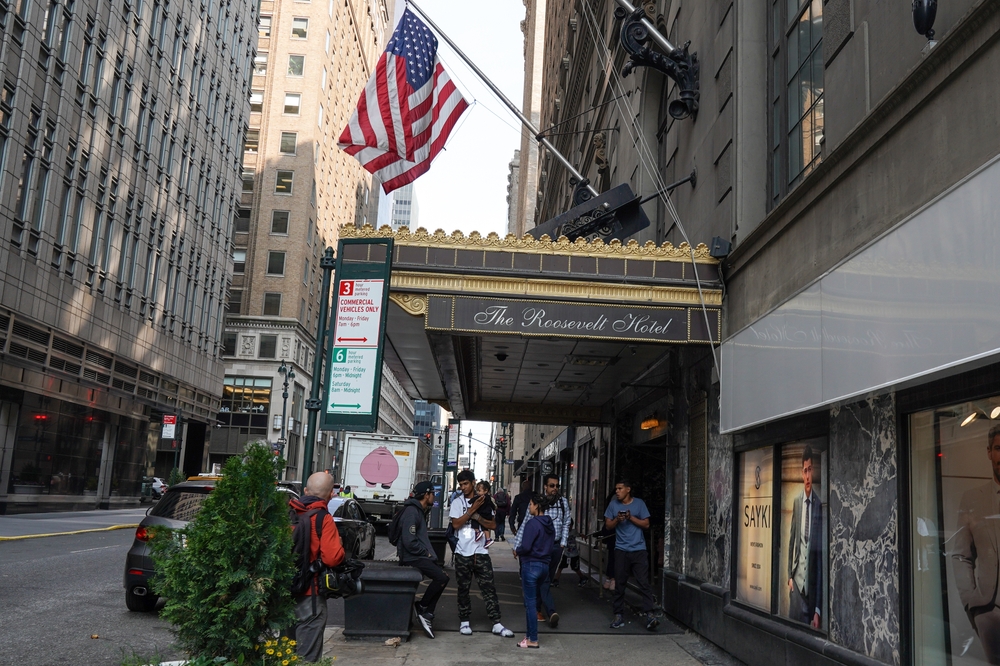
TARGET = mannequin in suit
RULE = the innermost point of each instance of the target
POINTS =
(805, 551)
(974, 558)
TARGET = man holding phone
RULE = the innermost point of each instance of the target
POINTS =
(628, 517)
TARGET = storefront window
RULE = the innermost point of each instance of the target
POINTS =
(955, 533)
(785, 570)
(134, 454)
(58, 449)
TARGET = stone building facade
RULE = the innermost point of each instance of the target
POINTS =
(852, 164)
(120, 131)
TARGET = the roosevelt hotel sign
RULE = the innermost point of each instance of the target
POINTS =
(576, 319)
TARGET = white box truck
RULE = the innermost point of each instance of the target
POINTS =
(381, 470)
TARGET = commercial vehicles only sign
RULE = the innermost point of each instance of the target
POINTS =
(357, 331)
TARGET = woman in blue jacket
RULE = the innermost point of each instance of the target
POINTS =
(534, 553)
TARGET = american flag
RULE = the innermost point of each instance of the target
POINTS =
(407, 109)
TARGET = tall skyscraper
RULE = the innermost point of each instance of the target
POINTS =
(120, 130)
(405, 211)
(312, 61)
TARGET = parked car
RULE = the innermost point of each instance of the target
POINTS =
(357, 532)
(177, 507)
(158, 487)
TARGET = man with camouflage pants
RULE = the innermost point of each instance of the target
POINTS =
(471, 556)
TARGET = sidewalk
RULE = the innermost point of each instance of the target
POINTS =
(583, 636)
(28, 525)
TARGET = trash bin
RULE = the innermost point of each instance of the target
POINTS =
(385, 606)
(440, 543)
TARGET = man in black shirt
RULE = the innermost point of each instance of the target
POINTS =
(519, 506)
(415, 550)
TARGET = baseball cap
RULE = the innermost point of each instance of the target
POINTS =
(423, 488)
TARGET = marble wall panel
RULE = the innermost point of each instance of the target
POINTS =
(864, 544)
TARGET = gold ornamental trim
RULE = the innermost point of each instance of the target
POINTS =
(484, 285)
(414, 304)
(544, 245)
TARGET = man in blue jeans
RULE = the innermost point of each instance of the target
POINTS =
(628, 517)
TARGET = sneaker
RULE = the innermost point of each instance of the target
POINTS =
(618, 623)
(555, 583)
(611, 585)
(541, 616)
(425, 622)
(583, 582)
(554, 620)
(651, 622)
(488, 543)
(465, 629)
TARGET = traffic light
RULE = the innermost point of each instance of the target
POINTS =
(427, 440)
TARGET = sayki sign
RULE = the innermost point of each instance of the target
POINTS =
(356, 334)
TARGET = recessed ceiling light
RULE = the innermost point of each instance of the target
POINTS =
(497, 369)
(578, 374)
(501, 347)
(534, 383)
(543, 365)
(497, 387)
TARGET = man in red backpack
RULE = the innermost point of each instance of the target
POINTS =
(325, 545)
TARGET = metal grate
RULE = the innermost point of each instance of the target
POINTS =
(146, 393)
(64, 365)
(126, 370)
(95, 376)
(148, 378)
(97, 359)
(23, 351)
(26, 332)
(67, 347)
(128, 387)
(4, 323)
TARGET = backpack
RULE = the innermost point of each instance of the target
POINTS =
(396, 526)
(326, 582)
(305, 569)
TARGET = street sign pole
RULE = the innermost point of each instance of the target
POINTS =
(357, 334)
(314, 403)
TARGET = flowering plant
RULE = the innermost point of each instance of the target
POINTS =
(279, 652)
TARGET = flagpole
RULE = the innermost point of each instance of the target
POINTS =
(654, 34)
(503, 98)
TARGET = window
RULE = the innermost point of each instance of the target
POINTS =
(242, 224)
(327, 47)
(305, 273)
(296, 65)
(279, 222)
(235, 302)
(283, 182)
(268, 346)
(245, 395)
(257, 101)
(287, 146)
(272, 305)
(797, 118)
(300, 28)
(954, 454)
(264, 27)
(239, 261)
(260, 64)
(275, 263)
(251, 144)
(319, 121)
(322, 81)
(785, 518)
(248, 175)
(292, 103)
(228, 344)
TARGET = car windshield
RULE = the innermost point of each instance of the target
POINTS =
(180, 504)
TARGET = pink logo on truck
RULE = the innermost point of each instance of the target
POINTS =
(379, 467)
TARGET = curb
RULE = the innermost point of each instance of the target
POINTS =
(53, 534)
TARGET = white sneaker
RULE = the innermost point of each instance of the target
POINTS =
(465, 629)
(501, 630)
(425, 622)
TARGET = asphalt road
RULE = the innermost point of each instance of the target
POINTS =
(58, 592)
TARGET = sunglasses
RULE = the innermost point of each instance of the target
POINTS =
(553, 485)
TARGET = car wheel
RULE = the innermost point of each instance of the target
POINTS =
(140, 604)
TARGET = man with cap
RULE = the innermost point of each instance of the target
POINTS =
(415, 550)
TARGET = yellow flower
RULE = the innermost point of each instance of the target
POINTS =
(294, 658)
(291, 643)
(270, 651)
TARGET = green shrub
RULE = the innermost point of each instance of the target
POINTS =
(175, 477)
(226, 576)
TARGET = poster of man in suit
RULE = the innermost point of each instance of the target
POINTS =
(974, 554)
(804, 543)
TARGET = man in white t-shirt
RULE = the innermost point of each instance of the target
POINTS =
(471, 556)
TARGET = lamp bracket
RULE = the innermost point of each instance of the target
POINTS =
(680, 65)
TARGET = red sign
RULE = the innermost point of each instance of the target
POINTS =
(169, 426)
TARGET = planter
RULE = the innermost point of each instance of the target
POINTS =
(27, 489)
(384, 608)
